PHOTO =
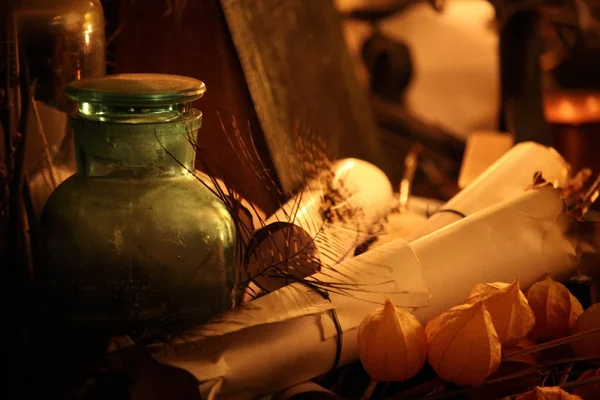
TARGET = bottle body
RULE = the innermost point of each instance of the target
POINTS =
(133, 242)
(127, 254)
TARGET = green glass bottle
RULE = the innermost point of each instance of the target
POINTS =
(133, 241)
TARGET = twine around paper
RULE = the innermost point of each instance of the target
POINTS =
(451, 211)
(336, 323)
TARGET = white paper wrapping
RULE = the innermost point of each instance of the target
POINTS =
(519, 239)
(507, 178)
(523, 238)
(367, 189)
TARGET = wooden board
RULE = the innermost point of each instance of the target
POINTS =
(301, 79)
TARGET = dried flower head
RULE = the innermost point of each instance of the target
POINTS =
(555, 309)
(463, 344)
(588, 345)
(391, 344)
(508, 307)
(548, 393)
(529, 358)
(588, 391)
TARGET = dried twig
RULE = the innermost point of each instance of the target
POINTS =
(549, 345)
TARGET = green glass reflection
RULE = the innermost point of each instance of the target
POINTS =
(133, 239)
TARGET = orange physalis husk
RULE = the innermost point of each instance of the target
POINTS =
(509, 367)
(555, 309)
(591, 389)
(548, 393)
(392, 345)
(463, 344)
(588, 345)
(511, 314)
(486, 288)
(530, 358)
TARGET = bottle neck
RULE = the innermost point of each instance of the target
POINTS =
(113, 149)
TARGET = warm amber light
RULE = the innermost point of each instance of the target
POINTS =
(88, 31)
(572, 107)
(566, 110)
(593, 104)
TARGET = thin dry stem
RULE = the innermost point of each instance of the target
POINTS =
(549, 345)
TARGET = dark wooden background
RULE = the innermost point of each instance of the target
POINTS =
(298, 78)
(151, 36)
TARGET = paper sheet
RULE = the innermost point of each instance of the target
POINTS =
(482, 150)
(518, 239)
(291, 302)
(506, 179)
(522, 238)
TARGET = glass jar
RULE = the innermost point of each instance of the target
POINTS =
(62, 41)
(133, 241)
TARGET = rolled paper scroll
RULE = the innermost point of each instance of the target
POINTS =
(507, 178)
(321, 225)
(237, 358)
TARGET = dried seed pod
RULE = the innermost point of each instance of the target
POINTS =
(463, 344)
(392, 345)
(512, 317)
(486, 288)
(591, 389)
(555, 309)
(548, 393)
(509, 367)
(530, 358)
(588, 345)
